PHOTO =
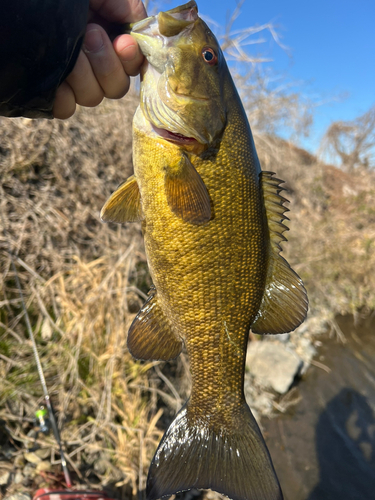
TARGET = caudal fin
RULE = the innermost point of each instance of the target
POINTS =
(233, 461)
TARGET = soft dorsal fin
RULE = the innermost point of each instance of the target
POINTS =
(186, 192)
(124, 205)
(151, 336)
(284, 304)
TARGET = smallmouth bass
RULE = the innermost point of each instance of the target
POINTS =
(212, 224)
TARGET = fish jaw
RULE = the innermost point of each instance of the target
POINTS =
(154, 34)
(180, 93)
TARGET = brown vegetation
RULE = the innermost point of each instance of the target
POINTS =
(84, 281)
(352, 142)
(332, 228)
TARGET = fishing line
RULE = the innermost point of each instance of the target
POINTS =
(36, 355)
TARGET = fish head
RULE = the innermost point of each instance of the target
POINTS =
(183, 76)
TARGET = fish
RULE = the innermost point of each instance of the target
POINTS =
(213, 223)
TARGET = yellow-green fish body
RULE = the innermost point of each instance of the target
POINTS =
(212, 224)
(209, 278)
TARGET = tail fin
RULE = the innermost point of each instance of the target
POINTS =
(232, 461)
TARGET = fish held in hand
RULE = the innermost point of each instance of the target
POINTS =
(212, 223)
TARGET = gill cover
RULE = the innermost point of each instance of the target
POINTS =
(182, 90)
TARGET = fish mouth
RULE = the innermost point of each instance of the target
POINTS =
(154, 34)
(173, 136)
(169, 23)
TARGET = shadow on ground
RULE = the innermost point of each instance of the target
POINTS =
(324, 449)
(345, 446)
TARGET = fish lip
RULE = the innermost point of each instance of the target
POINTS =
(173, 136)
(182, 8)
(142, 24)
(178, 13)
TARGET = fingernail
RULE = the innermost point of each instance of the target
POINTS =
(93, 40)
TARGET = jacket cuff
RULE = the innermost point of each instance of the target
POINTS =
(39, 44)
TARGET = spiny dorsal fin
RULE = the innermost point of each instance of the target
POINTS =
(275, 209)
(151, 336)
(284, 304)
(124, 205)
(186, 193)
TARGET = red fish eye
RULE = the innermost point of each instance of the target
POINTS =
(209, 56)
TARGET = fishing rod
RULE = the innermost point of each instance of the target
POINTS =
(46, 493)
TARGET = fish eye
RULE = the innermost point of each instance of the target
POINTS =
(209, 56)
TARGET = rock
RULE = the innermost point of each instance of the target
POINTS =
(4, 477)
(43, 453)
(264, 404)
(306, 351)
(18, 478)
(101, 465)
(273, 365)
(46, 330)
(29, 471)
(43, 466)
(32, 458)
(281, 337)
(19, 461)
(209, 495)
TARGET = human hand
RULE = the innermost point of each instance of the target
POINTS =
(102, 68)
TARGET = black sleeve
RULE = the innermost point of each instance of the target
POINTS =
(39, 44)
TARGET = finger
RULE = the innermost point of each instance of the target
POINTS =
(129, 54)
(127, 11)
(65, 102)
(85, 86)
(104, 62)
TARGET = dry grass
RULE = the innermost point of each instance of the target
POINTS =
(332, 229)
(100, 393)
(84, 281)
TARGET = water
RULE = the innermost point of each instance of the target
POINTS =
(324, 449)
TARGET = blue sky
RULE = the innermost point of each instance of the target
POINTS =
(331, 50)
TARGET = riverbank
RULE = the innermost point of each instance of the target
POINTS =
(85, 281)
(323, 447)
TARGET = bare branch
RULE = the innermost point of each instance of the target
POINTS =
(351, 142)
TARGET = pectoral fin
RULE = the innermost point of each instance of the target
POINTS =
(151, 336)
(186, 193)
(284, 304)
(124, 205)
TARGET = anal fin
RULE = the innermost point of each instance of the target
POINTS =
(151, 336)
(124, 204)
(284, 304)
(186, 192)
